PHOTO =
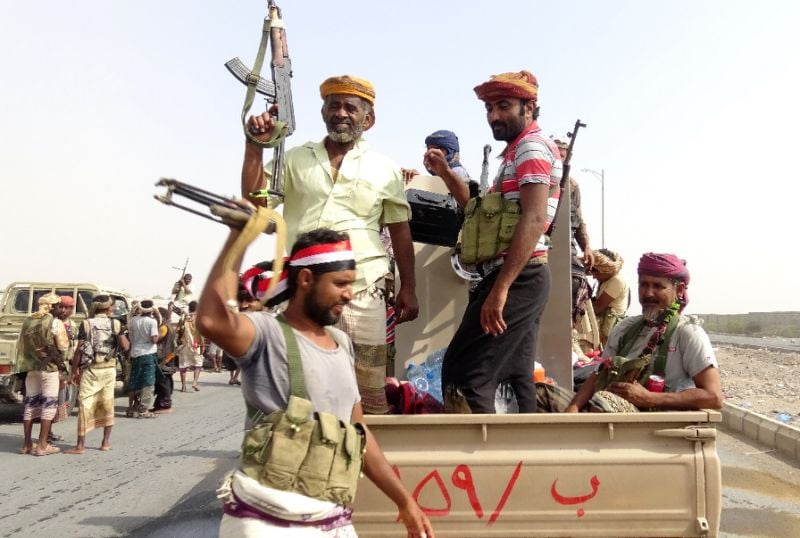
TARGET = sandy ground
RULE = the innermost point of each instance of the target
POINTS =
(763, 380)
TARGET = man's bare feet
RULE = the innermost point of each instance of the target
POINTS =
(196, 388)
(75, 451)
(105, 448)
(26, 449)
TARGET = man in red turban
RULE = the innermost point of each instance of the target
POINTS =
(679, 369)
(496, 340)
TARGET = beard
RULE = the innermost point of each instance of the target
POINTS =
(509, 129)
(319, 313)
(351, 134)
(650, 312)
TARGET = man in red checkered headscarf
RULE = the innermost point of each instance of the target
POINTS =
(496, 340)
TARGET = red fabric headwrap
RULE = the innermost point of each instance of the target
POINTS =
(666, 266)
(521, 85)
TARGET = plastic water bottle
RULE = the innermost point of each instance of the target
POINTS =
(433, 371)
(418, 376)
(427, 376)
(436, 359)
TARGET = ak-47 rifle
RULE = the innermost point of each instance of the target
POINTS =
(565, 173)
(223, 210)
(487, 149)
(176, 290)
(231, 212)
(278, 91)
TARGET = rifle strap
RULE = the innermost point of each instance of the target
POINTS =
(660, 363)
(297, 383)
(280, 129)
(257, 224)
(661, 346)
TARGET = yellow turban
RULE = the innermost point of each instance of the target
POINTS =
(347, 85)
(521, 85)
(607, 263)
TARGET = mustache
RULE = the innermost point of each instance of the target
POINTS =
(497, 124)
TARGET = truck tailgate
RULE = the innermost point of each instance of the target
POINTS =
(588, 474)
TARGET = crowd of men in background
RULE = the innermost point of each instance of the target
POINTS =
(64, 364)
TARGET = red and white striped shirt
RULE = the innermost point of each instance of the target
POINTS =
(532, 158)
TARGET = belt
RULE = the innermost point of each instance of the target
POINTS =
(484, 268)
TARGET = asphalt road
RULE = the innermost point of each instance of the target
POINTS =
(159, 479)
(772, 342)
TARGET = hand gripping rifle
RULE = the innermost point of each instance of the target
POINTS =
(253, 221)
(278, 91)
(565, 173)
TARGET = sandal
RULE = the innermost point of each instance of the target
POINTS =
(50, 449)
(129, 413)
(147, 414)
(54, 437)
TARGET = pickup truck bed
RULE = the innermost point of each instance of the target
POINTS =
(588, 474)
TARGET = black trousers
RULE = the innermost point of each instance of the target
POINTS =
(476, 363)
(163, 388)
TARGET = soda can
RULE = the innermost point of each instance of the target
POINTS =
(655, 383)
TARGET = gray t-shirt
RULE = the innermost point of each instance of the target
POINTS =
(329, 374)
(689, 351)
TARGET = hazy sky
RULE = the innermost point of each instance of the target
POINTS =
(691, 109)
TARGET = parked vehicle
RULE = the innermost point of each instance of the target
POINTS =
(583, 474)
(20, 300)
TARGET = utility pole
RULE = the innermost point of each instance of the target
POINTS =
(601, 175)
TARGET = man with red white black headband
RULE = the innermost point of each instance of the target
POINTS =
(676, 369)
(296, 361)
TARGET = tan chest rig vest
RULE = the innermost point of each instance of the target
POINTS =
(298, 450)
(489, 224)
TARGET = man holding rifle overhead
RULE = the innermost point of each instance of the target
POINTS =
(342, 184)
(497, 337)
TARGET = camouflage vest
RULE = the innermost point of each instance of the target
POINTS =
(101, 343)
(297, 450)
(39, 349)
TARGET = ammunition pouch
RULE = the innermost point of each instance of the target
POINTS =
(297, 450)
(314, 454)
(489, 225)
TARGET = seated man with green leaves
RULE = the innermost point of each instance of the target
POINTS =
(661, 360)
